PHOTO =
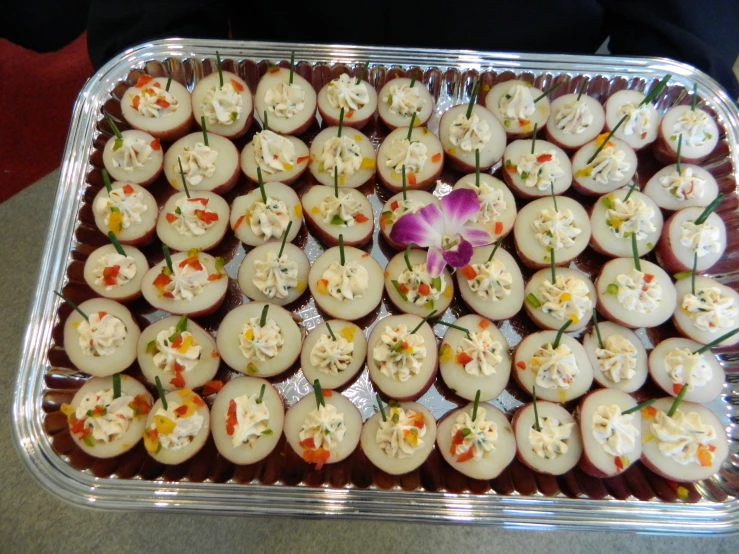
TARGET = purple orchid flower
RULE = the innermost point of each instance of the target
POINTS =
(442, 231)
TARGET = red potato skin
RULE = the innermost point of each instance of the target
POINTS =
(329, 240)
(460, 165)
(391, 127)
(665, 252)
(150, 181)
(594, 244)
(230, 183)
(602, 308)
(582, 189)
(420, 185)
(515, 370)
(585, 464)
(330, 121)
(532, 264)
(550, 138)
(289, 181)
(665, 154)
(305, 126)
(247, 126)
(680, 329)
(518, 191)
(143, 240)
(169, 135)
(514, 424)
(419, 394)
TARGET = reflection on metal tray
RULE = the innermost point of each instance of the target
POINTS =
(509, 501)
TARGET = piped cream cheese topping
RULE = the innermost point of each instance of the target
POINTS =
(106, 417)
(419, 287)
(198, 163)
(407, 206)
(540, 170)
(331, 356)
(340, 210)
(701, 239)
(346, 282)
(629, 217)
(343, 155)
(555, 368)
(638, 121)
(285, 100)
(683, 437)
(404, 100)
(180, 429)
(191, 217)
(176, 352)
(114, 270)
(274, 153)
(187, 281)
(638, 292)
(223, 104)
(473, 440)
(551, 441)
(556, 229)
(412, 155)
(260, 343)
(710, 310)
(683, 366)
(325, 426)
(566, 298)
(344, 92)
(608, 166)
(101, 334)
(517, 103)
(252, 419)
(492, 280)
(482, 353)
(574, 117)
(683, 185)
(694, 126)
(469, 134)
(270, 219)
(275, 276)
(399, 354)
(154, 102)
(127, 205)
(401, 435)
(617, 358)
(614, 430)
(131, 153)
(492, 203)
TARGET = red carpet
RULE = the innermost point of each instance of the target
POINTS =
(37, 92)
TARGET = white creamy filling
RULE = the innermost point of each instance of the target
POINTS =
(407, 206)
(608, 166)
(344, 92)
(101, 334)
(346, 282)
(702, 239)
(469, 134)
(710, 310)
(128, 207)
(222, 105)
(198, 163)
(617, 358)
(555, 369)
(574, 117)
(638, 292)
(274, 153)
(683, 185)
(114, 270)
(556, 229)
(404, 100)
(188, 280)
(192, 217)
(683, 366)
(106, 417)
(484, 353)
(269, 220)
(180, 354)
(478, 437)
(566, 298)
(492, 281)
(492, 203)
(694, 127)
(325, 426)
(331, 356)
(155, 102)
(399, 354)
(540, 170)
(402, 434)
(185, 428)
(341, 155)
(132, 154)
(517, 103)
(340, 210)
(551, 441)
(629, 217)
(274, 277)
(421, 287)
(682, 436)
(260, 343)
(252, 419)
(638, 120)
(285, 100)
(613, 430)
(412, 155)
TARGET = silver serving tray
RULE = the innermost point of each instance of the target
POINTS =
(452, 83)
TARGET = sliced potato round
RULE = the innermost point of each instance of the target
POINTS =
(702, 393)
(247, 453)
(150, 169)
(611, 307)
(464, 160)
(416, 384)
(359, 177)
(547, 319)
(524, 423)
(349, 310)
(526, 376)
(394, 119)
(249, 164)
(204, 370)
(430, 171)
(298, 414)
(226, 164)
(242, 207)
(492, 307)
(665, 148)
(596, 461)
(453, 368)
(685, 321)
(168, 125)
(356, 234)
(675, 256)
(210, 203)
(355, 118)
(511, 162)
(583, 180)
(394, 209)
(301, 120)
(668, 467)
(497, 205)
(228, 339)
(516, 127)
(131, 436)
(396, 266)
(488, 467)
(635, 136)
(566, 128)
(243, 120)
(176, 455)
(331, 375)
(699, 189)
(115, 362)
(137, 232)
(530, 249)
(266, 252)
(124, 292)
(602, 372)
(398, 465)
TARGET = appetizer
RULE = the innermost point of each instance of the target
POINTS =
(128, 211)
(116, 272)
(133, 156)
(690, 238)
(415, 150)
(158, 106)
(642, 120)
(410, 287)
(193, 220)
(536, 168)
(405, 202)
(694, 129)
(676, 362)
(673, 188)
(618, 357)
(334, 352)
(497, 204)
(470, 130)
(288, 100)
(355, 96)
(279, 158)
(602, 166)
(347, 154)
(225, 101)
(331, 212)
(209, 163)
(556, 295)
(518, 106)
(706, 310)
(576, 119)
(400, 98)
(264, 214)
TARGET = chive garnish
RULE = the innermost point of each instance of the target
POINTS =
(477, 167)
(114, 127)
(405, 257)
(106, 181)
(261, 394)
(116, 385)
(693, 98)
(382, 410)
(678, 399)
(552, 265)
(116, 244)
(457, 327)
(167, 258)
(336, 181)
(641, 406)
(709, 209)
(583, 87)
(692, 273)
(679, 147)
(260, 182)
(533, 138)
(547, 92)
(424, 320)
(405, 195)
(160, 392)
(341, 122)
(181, 326)
(495, 248)
(205, 130)
(635, 252)
(413, 80)
(716, 342)
(536, 411)
(561, 330)
(265, 121)
(410, 127)
(319, 394)
(75, 306)
(169, 82)
(475, 405)
(475, 89)
(182, 175)
(597, 329)
(608, 137)
(292, 66)
(341, 250)
(220, 69)
(655, 91)
(554, 197)
(263, 317)
(362, 72)
(330, 332)
(284, 239)
(631, 189)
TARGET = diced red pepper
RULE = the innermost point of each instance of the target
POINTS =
(140, 405)
(484, 324)
(524, 122)
(203, 201)
(308, 443)
(349, 114)
(77, 427)
(136, 102)
(424, 289)
(237, 86)
(127, 189)
(463, 358)
(155, 144)
(676, 388)
(170, 217)
(161, 282)
(302, 159)
(327, 393)
(521, 365)
(436, 157)
(212, 387)
(162, 103)
(238, 222)
(198, 401)
(178, 380)
(206, 216)
(619, 463)
(541, 158)
(215, 277)
(231, 419)
(648, 277)
(466, 456)
(318, 457)
(394, 206)
(403, 288)
(468, 272)
(180, 411)
(412, 179)
(101, 315)
(360, 218)
(143, 81)
(274, 69)
(498, 227)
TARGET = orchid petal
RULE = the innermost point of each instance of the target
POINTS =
(435, 263)
(460, 255)
(458, 207)
(476, 237)
(421, 228)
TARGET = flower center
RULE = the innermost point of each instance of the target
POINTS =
(450, 243)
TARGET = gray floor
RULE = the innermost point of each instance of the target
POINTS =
(32, 520)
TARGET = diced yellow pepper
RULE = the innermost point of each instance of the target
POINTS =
(151, 443)
(115, 222)
(300, 286)
(367, 163)
(287, 167)
(358, 138)
(445, 353)
(298, 210)
(164, 425)
(348, 333)
(67, 409)
(184, 392)
(186, 344)
(249, 335)
(682, 493)
(315, 210)
(192, 253)
(565, 297)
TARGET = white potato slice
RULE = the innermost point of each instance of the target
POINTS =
(423, 179)
(144, 175)
(658, 371)
(495, 217)
(609, 329)
(210, 203)
(669, 201)
(518, 128)
(341, 329)
(226, 172)
(243, 120)
(665, 148)
(511, 160)
(271, 249)
(352, 118)
(242, 206)
(675, 256)
(582, 180)
(358, 234)
(684, 321)
(288, 176)
(546, 319)
(557, 131)
(173, 456)
(464, 160)
(396, 120)
(636, 140)
(325, 177)
(129, 290)
(137, 232)
(172, 124)
(396, 266)
(298, 123)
